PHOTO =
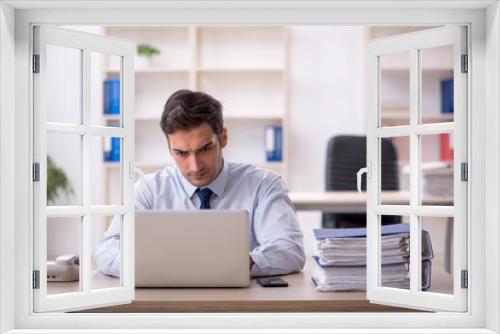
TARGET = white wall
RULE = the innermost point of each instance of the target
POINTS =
(326, 98)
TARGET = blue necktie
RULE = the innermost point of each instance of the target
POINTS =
(204, 195)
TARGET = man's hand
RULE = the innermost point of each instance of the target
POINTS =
(250, 262)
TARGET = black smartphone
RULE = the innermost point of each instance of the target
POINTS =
(271, 281)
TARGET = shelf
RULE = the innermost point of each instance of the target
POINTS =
(243, 67)
(396, 69)
(111, 117)
(159, 70)
(153, 70)
(240, 70)
(145, 165)
(148, 118)
(402, 114)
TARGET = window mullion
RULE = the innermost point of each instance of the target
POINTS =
(415, 244)
(85, 269)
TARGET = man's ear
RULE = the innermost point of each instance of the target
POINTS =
(223, 138)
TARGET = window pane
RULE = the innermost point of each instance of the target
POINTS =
(394, 185)
(64, 84)
(395, 253)
(106, 172)
(437, 169)
(439, 231)
(106, 247)
(64, 169)
(64, 237)
(105, 90)
(394, 89)
(437, 84)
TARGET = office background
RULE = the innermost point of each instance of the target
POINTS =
(325, 70)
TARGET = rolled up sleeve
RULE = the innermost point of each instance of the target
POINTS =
(280, 247)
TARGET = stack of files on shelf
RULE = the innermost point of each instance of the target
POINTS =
(437, 178)
(341, 258)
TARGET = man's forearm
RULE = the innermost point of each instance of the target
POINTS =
(277, 259)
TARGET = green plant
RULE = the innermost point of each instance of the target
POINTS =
(147, 50)
(57, 181)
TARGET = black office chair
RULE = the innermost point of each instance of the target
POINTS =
(345, 156)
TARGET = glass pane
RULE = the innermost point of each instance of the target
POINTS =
(106, 171)
(64, 169)
(64, 84)
(106, 247)
(437, 232)
(394, 89)
(105, 90)
(64, 243)
(437, 169)
(394, 181)
(395, 252)
(437, 84)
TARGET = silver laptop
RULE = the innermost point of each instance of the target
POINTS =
(205, 248)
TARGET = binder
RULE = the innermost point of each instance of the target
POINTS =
(447, 96)
(324, 233)
(273, 143)
(112, 149)
(341, 258)
(354, 278)
(111, 100)
(355, 238)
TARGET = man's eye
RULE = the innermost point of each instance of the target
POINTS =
(205, 149)
(181, 154)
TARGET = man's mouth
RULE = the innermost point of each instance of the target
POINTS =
(198, 175)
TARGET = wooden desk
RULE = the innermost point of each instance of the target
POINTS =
(299, 296)
(353, 201)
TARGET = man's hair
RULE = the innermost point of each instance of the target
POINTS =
(186, 109)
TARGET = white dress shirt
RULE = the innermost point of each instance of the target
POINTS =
(276, 245)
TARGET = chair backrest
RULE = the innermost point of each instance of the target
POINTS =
(345, 156)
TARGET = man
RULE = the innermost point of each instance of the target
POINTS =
(201, 179)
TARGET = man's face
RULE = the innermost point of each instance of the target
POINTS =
(198, 153)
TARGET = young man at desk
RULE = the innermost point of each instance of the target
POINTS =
(201, 179)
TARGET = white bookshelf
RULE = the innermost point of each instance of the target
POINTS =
(243, 67)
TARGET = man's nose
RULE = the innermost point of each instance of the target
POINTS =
(194, 163)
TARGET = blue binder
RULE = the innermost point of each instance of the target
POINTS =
(447, 96)
(111, 100)
(273, 142)
(324, 233)
(112, 149)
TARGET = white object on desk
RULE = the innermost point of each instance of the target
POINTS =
(64, 269)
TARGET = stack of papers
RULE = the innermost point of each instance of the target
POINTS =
(437, 178)
(341, 258)
(352, 251)
(334, 278)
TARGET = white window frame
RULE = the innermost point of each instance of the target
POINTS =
(412, 44)
(86, 297)
(483, 123)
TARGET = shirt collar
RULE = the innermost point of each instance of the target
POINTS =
(218, 185)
